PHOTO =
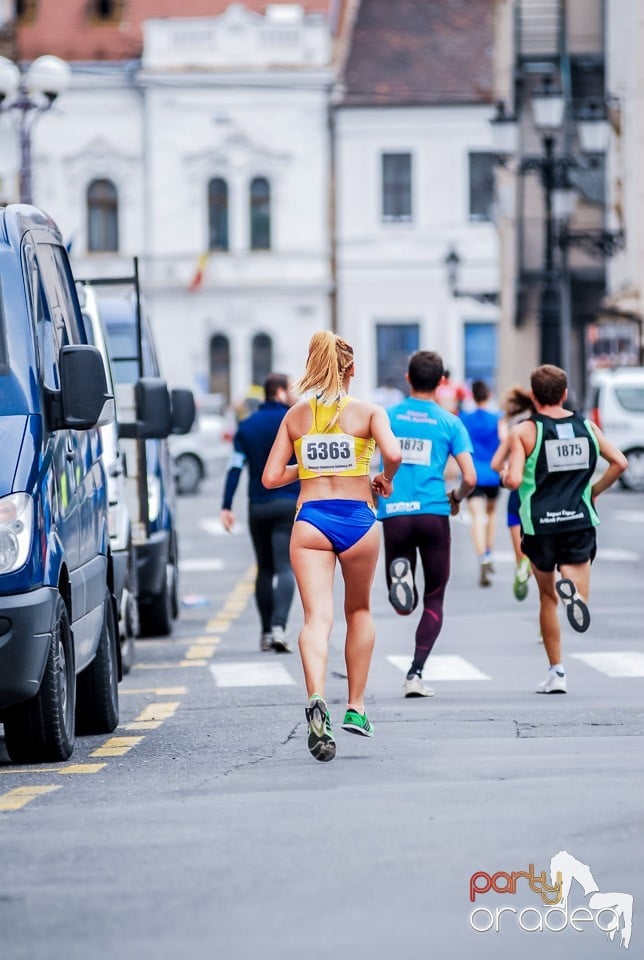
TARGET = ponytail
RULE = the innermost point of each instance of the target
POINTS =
(327, 363)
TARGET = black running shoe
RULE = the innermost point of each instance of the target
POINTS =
(402, 593)
(320, 740)
(576, 609)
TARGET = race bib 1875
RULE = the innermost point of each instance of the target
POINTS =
(328, 453)
(571, 454)
(416, 451)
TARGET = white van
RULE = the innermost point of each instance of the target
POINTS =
(617, 407)
(125, 576)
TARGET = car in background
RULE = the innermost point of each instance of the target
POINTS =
(201, 452)
(617, 407)
(123, 555)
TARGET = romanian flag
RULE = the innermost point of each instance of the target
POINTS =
(199, 273)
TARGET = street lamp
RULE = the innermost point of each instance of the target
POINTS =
(560, 197)
(31, 93)
(452, 263)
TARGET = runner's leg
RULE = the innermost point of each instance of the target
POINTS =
(490, 529)
(284, 581)
(260, 531)
(434, 544)
(478, 526)
(358, 565)
(548, 616)
(313, 562)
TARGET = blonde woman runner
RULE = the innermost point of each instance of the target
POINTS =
(333, 437)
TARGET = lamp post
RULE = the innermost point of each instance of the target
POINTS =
(559, 200)
(31, 93)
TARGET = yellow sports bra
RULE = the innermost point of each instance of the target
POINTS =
(325, 451)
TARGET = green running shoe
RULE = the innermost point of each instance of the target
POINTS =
(521, 577)
(355, 722)
(320, 740)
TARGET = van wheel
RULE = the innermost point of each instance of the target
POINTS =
(189, 473)
(633, 476)
(42, 730)
(97, 697)
(156, 613)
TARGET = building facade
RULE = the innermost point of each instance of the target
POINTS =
(414, 181)
(208, 157)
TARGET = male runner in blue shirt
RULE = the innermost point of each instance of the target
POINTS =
(415, 518)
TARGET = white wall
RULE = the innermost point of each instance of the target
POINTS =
(395, 270)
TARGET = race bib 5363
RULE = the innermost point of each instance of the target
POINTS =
(324, 453)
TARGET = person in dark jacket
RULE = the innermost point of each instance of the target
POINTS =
(270, 512)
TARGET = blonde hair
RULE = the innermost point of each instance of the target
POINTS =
(326, 366)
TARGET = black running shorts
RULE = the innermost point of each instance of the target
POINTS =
(490, 493)
(550, 550)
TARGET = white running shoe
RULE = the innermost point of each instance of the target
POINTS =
(555, 682)
(414, 687)
(279, 644)
(266, 642)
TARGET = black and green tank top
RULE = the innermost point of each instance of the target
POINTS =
(557, 478)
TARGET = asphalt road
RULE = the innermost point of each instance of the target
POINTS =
(203, 828)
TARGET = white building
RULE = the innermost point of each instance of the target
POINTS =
(414, 180)
(209, 159)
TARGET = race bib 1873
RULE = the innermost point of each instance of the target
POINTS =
(416, 451)
(573, 454)
(328, 453)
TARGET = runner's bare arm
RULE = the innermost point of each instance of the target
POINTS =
(467, 484)
(502, 453)
(522, 440)
(390, 450)
(617, 463)
(278, 471)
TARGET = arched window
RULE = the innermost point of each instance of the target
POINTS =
(220, 365)
(262, 357)
(217, 214)
(260, 214)
(102, 217)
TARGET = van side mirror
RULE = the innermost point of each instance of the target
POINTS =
(84, 400)
(153, 411)
(184, 410)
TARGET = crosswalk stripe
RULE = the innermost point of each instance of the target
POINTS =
(614, 664)
(249, 674)
(442, 667)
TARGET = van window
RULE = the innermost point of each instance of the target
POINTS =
(47, 343)
(631, 398)
(121, 338)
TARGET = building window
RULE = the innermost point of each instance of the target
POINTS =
(480, 352)
(396, 186)
(217, 214)
(394, 344)
(220, 366)
(26, 10)
(102, 217)
(260, 214)
(262, 358)
(481, 175)
(109, 11)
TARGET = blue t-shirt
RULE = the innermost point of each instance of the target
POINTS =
(483, 428)
(428, 435)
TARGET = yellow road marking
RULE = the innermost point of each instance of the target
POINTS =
(158, 711)
(83, 768)
(193, 663)
(201, 650)
(20, 796)
(217, 626)
(157, 691)
(116, 746)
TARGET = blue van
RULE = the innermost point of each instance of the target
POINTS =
(59, 651)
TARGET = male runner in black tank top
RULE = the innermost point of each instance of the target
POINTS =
(553, 456)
